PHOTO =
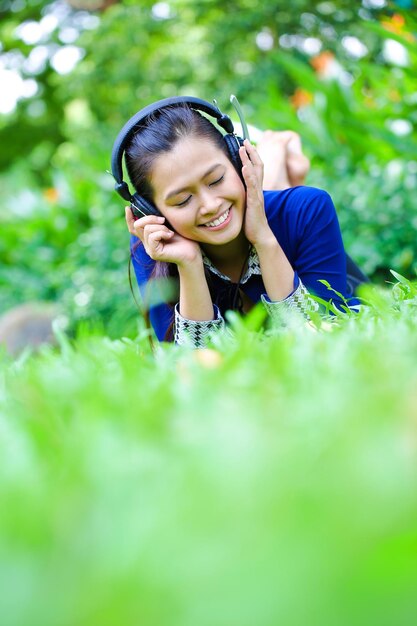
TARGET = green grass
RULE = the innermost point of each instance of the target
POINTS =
(276, 484)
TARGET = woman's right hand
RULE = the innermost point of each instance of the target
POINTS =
(160, 242)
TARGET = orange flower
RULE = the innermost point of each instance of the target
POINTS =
(51, 195)
(322, 61)
(396, 25)
(301, 98)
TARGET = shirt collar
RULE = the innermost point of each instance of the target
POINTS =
(252, 269)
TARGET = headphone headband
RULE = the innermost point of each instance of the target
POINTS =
(125, 134)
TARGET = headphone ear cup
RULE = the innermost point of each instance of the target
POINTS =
(233, 142)
(141, 206)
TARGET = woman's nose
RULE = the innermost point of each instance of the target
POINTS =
(210, 203)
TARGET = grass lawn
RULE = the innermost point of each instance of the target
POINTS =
(272, 480)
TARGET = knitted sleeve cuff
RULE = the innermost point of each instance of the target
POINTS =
(196, 333)
(297, 306)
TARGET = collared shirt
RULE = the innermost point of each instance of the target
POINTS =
(197, 333)
(253, 267)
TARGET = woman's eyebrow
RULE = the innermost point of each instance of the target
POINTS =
(178, 191)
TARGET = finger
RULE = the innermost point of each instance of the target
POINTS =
(130, 220)
(252, 181)
(158, 235)
(149, 219)
(136, 226)
(155, 238)
(253, 153)
(249, 155)
(244, 157)
(153, 228)
(252, 173)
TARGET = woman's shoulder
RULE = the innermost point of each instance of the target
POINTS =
(297, 201)
(296, 196)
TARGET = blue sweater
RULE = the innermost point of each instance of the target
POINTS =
(304, 221)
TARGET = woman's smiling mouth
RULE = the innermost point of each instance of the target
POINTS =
(219, 221)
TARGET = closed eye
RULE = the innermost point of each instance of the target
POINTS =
(184, 202)
(216, 182)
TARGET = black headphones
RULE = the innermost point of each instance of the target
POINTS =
(141, 206)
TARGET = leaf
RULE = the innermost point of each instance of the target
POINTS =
(400, 278)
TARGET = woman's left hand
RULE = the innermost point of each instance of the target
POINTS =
(256, 226)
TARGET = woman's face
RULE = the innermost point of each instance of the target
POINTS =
(199, 191)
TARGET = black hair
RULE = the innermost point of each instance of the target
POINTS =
(158, 134)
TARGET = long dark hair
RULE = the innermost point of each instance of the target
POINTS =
(156, 135)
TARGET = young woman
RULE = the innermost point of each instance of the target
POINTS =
(229, 243)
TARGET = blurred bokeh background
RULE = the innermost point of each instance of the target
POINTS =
(340, 73)
(263, 482)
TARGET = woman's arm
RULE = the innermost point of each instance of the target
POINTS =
(195, 299)
(285, 292)
(164, 245)
(277, 272)
(195, 317)
(304, 220)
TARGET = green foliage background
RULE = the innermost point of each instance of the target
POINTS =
(63, 235)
